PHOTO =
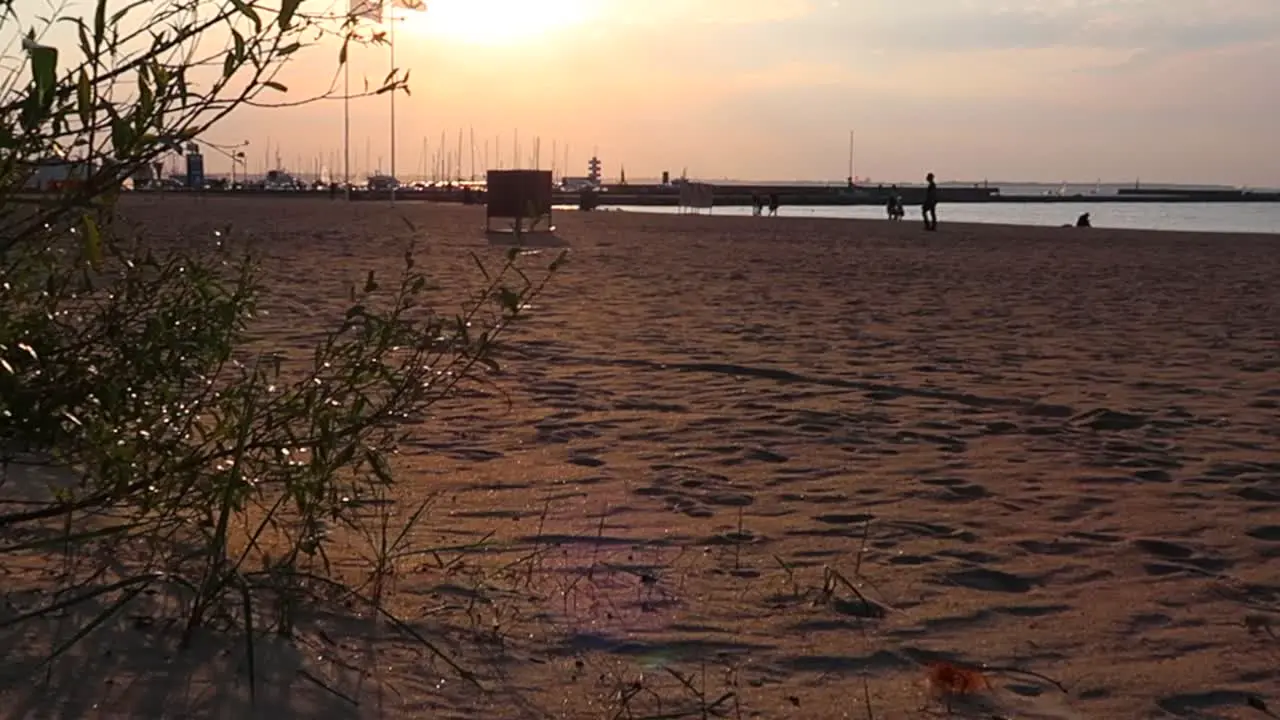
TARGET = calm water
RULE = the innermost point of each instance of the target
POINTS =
(1204, 217)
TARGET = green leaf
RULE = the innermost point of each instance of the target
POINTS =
(161, 75)
(84, 98)
(44, 69)
(92, 242)
(379, 465)
(86, 47)
(100, 24)
(122, 136)
(120, 14)
(275, 85)
(146, 97)
(250, 13)
(287, 10)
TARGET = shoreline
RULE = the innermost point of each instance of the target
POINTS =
(907, 225)
(911, 221)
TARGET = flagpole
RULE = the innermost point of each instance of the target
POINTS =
(391, 36)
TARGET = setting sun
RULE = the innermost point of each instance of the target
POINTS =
(487, 22)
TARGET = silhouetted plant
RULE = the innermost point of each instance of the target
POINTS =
(206, 466)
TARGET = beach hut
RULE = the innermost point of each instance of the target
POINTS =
(518, 196)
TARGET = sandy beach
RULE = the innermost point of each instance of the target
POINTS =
(1047, 449)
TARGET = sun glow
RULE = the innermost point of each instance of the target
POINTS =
(490, 22)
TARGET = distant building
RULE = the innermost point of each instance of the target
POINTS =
(145, 175)
(195, 167)
(279, 179)
(53, 173)
(382, 182)
(573, 184)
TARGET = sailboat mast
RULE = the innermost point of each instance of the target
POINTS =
(852, 178)
(473, 154)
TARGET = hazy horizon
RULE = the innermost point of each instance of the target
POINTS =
(752, 89)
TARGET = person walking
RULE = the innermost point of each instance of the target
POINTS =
(929, 208)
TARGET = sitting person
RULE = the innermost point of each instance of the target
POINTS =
(1083, 221)
(894, 206)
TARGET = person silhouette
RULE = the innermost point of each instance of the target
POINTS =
(894, 204)
(929, 208)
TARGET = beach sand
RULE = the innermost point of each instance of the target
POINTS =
(1043, 448)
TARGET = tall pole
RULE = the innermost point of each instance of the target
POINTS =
(473, 154)
(391, 38)
(346, 127)
(852, 179)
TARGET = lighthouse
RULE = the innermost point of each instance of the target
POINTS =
(593, 170)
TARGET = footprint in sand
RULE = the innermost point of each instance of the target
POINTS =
(1267, 533)
(1106, 420)
(1198, 705)
(1177, 558)
(988, 580)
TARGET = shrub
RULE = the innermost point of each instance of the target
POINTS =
(197, 463)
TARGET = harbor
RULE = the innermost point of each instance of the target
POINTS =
(742, 195)
(739, 195)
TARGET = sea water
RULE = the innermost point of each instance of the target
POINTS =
(1260, 217)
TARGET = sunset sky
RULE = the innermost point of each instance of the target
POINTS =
(1047, 90)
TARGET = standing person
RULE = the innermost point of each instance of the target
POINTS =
(773, 204)
(929, 208)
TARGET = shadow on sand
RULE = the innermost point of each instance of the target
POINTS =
(538, 239)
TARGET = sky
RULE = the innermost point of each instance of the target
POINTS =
(1031, 90)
